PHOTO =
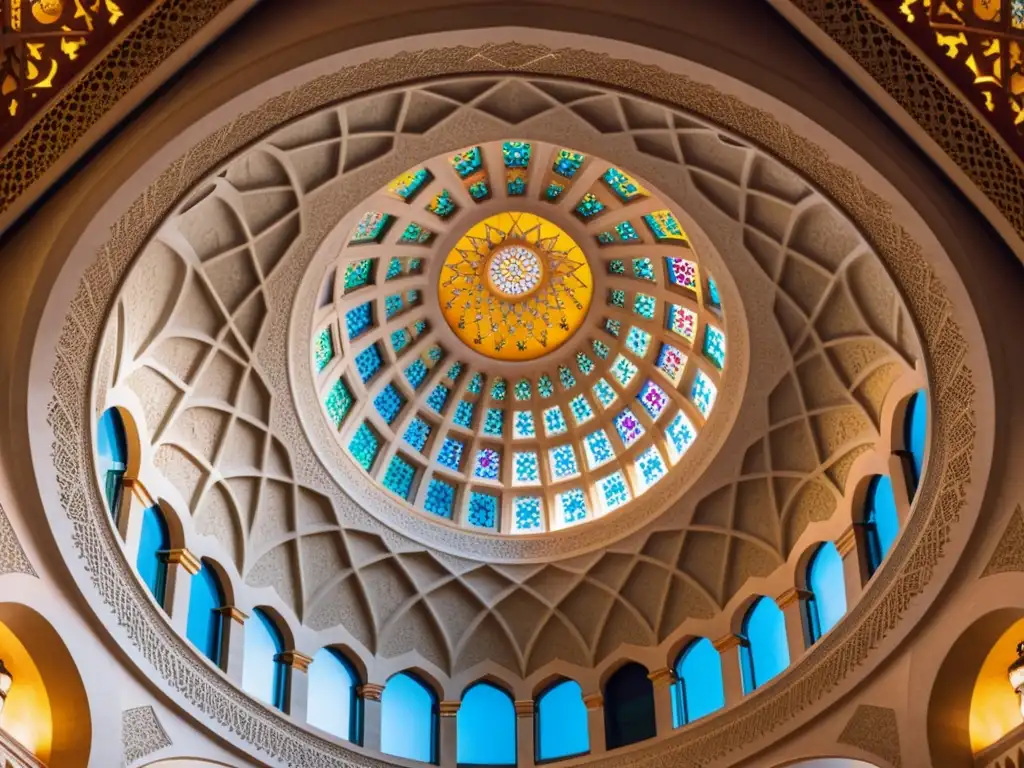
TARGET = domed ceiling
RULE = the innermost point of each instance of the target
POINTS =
(235, 324)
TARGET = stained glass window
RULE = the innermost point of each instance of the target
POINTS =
(616, 267)
(338, 402)
(522, 390)
(581, 409)
(323, 349)
(389, 402)
(476, 384)
(623, 370)
(565, 377)
(714, 345)
(463, 416)
(601, 349)
(680, 434)
(567, 163)
(494, 422)
(638, 341)
(643, 269)
(442, 205)
(645, 305)
(364, 446)
(681, 272)
(417, 433)
(572, 506)
(584, 363)
(614, 327)
(450, 455)
(487, 465)
(498, 389)
(617, 298)
(359, 320)
(664, 226)
(682, 321)
(371, 227)
(553, 191)
(703, 393)
(713, 298)
(526, 512)
(626, 232)
(563, 462)
(653, 399)
(416, 234)
(544, 386)
(604, 392)
(399, 477)
(467, 162)
(671, 363)
(454, 371)
(368, 363)
(479, 190)
(437, 398)
(516, 154)
(554, 421)
(440, 499)
(400, 340)
(393, 304)
(650, 467)
(409, 184)
(415, 373)
(483, 510)
(358, 274)
(522, 425)
(613, 491)
(598, 448)
(625, 187)
(589, 206)
(629, 427)
(605, 238)
(525, 468)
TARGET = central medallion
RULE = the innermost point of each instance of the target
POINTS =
(516, 286)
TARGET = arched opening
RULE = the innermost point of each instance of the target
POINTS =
(880, 523)
(995, 709)
(154, 542)
(205, 620)
(765, 650)
(47, 710)
(263, 674)
(112, 458)
(628, 706)
(486, 726)
(699, 689)
(333, 705)
(915, 438)
(827, 585)
(561, 728)
(409, 719)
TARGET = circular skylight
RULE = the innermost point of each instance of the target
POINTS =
(518, 338)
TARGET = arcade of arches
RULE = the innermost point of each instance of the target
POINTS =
(502, 385)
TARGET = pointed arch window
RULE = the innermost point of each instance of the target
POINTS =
(562, 729)
(765, 649)
(880, 523)
(333, 705)
(486, 726)
(827, 585)
(264, 675)
(112, 453)
(205, 621)
(699, 689)
(915, 435)
(151, 562)
(409, 719)
(628, 706)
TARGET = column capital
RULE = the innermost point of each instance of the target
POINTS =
(233, 613)
(727, 642)
(662, 677)
(593, 700)
(135, 485)
(449, 708)
(790, 596)
(185, 559)
(370, 691)
(524, 707)
(295, 660)
(846, 542)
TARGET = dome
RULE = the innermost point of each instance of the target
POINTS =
(520, 338)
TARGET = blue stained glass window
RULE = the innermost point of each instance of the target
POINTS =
(522, 425)
(440, 498)
(399, 477)
(638, 341)
(598, 448)
(371, 227)
(703, 393)
(601, 349)
(434, 354)
(680, 434)
(525, 468)
(409, 719)
(454, 371)
(487, 465)
(442, 205)
(614, 327)
(664, 226)
(417, 433)
(323, 349)
(450, 455)
(516, 154)
(713, 298)
(613, 491)
(881, 522)
(624, 186)
(498, 389)
(205, 597)
(553, 190)
(415, 373)
(616, 267)
(364, 446)
(483, 510)
(699, 689)
(263, 676)
(333, 706)
(562, 728)
(565, 377)
(394, 269)
(626, 232)
(572, 506)
(479, 190)
(765, 651)
(389, 403)
(617, 297)
(526, 513)
(400, 340)
(628, 707)
(494, 422)
(629, 427)
(112, 457)
(522, 390)
(604, 393)
(476, 384)
(368, 362)
(623, 370)
(827, 585)
(544, 386)
(515, 185)
(437, 398)
(338, 402)
(605, 238)
(467, 162)
(463, 416)
(486, 727)
(358, 273)
(409, 184)
(554, 421)
(563, 462)
(653, 399)
(915, 437)
(589, 206)
(643, 269)
(645, 305)
(581, 409)
(671, 362)
(393, 304)
(714, 345)
(567, 163)
(359, 320)
(650, 467)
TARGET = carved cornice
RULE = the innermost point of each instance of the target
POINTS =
(185, 559)
(370, 691)
(449, 708)
(295, 660)
(593, 701)
(233, 613)
(727, 643)
(790, 596)
(846, 542)
(524, 708)
(662, 678)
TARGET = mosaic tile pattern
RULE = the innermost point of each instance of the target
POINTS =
(408, 185)
(389, 402)
(714, 346)
(359, 320)
(671, 362)
(440, 499)
(338, 402)
(525, 468)
(554, 421)
(680, 434)
(572, 506)
(467, 162)
(437, 398)
(371, 227)
(323, 349)
(364, 446)
(463, 416)
(450, 455)
(598, 448)
(368, 363)
(664, 226)
(682, 321)
(482, 510)
(604, 392)
(399, 477)
(522, 425)
(650, 467)
(638, 341)
(653, 399)
(629, 427)
(358, 274)
(417, 433)
(562, 459)
(581, 410)
(487, 464)
(613, 491)
(526, 513)
(703, 393)
(494, 422)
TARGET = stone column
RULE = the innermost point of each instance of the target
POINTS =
(793, 603)
(662, 680)
(728, 648)
(448, 739)
(182, 565)
(900, 487)
(232, 642)
(526, 748)
(369, 694)
(135, 499)
(854, 565)
(296, 683)
(594, 703)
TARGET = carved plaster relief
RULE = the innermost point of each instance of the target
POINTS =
(141, 734)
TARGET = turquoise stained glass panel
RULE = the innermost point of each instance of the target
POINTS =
(572, 506)
(613, 491)
(581, 410)
(653, 399)
(494, 422)
(454, 371)
(629, 427)
(338, 402)
(393, 304)
(389, 403)
(368, 363)
(616, 267)
(703, 393)
(416, 373)
(442, 205)
(627, 232)
(476, 384)
(601, 349)
(526, 514)
(664, 226)
(359, 320)
(371, 227)
(643, 269)
(440, 499)
(516, 154)
(644, 305)
(364, 446)
(498, 389)
(680, 435)
(604, 392)
(589, 206)
(562, 459)
(554, 421)
(638, 341)
(598, 449)
(544, 386)
(567, 163)
(650, 467)
(553, 191)
(450, 455)
(614, 327)
(323, 349)
(437, 398)
(417, 433)
(565, 377)
(479, 190)
(714, 345)
(522, 425)
(399, 477)
(358, 274)
(482, 510)
(467, 162)
(400, 340)
(525, 468)
(625, 187)
(623, 370)
(617, 297)
(713, 298)
(522, 390)
(584, 363)
(487, 465)
(408, 185)
(463, 416)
